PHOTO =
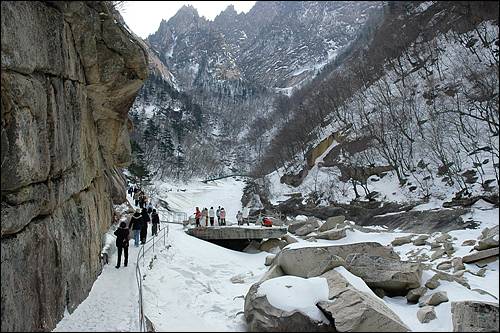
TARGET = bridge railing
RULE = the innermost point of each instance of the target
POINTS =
(149, 245)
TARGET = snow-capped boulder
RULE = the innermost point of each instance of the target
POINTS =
(302, 261)
(286, 304)
(474, 316)
(332, 223)
(392, 275)
(354, 309)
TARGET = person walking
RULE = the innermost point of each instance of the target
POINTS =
(204, 215)
(136, 198)
(218, 215)
(211, 215)
(122, 237)
(144, 226)
(239, 218)
(135, 224)
(155, 220)
(222, 216)
(150, 207)
(197, 216)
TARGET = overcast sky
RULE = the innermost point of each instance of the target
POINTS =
(144, 17)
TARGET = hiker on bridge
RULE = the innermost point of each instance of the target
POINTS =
(155, 219)
(239, 218)
(197, 216)
(204, 214)
(218, 216)
(122, 237)
(211, 215)
(144, 225)
(136, 224)
(222, 216)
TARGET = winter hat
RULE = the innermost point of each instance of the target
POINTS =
(154, 210)
(123, 225)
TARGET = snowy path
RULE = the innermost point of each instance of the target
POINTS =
(112, 304)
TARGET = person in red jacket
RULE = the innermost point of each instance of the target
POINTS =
(197, 216)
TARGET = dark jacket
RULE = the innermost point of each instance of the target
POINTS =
(155, 218)
(145, 218)
(121, 237)
(135, 221)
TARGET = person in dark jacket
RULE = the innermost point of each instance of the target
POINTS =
(136, 225)
(122, 234)
(155, 219)
(144, 227)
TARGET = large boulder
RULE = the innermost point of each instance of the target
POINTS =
(272, 245)
(289, 239)
(474, 316)
(402, 240)
(353, 310)
(299, 223)
(302, 261)
(332, 223)
(426, 314)
(423, 221)
(479, 255)
(487, 243)
(433, 299)
(262, 316)
(414, 294)
(333, 234)
(309, 227)
(392, 275)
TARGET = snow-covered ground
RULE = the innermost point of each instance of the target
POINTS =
(189, 287)
(112, 304)
(193, 285)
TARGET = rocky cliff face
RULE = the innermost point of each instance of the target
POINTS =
(70, 73)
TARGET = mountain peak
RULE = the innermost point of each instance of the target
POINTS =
(187, 10)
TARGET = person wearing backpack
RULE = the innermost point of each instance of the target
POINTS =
(155, 219)
(122, 237)
(135, 224)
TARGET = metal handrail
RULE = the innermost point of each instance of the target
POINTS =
(150, 244)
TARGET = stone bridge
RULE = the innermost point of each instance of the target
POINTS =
(236, 237)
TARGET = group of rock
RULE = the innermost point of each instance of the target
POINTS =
(383, 271)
